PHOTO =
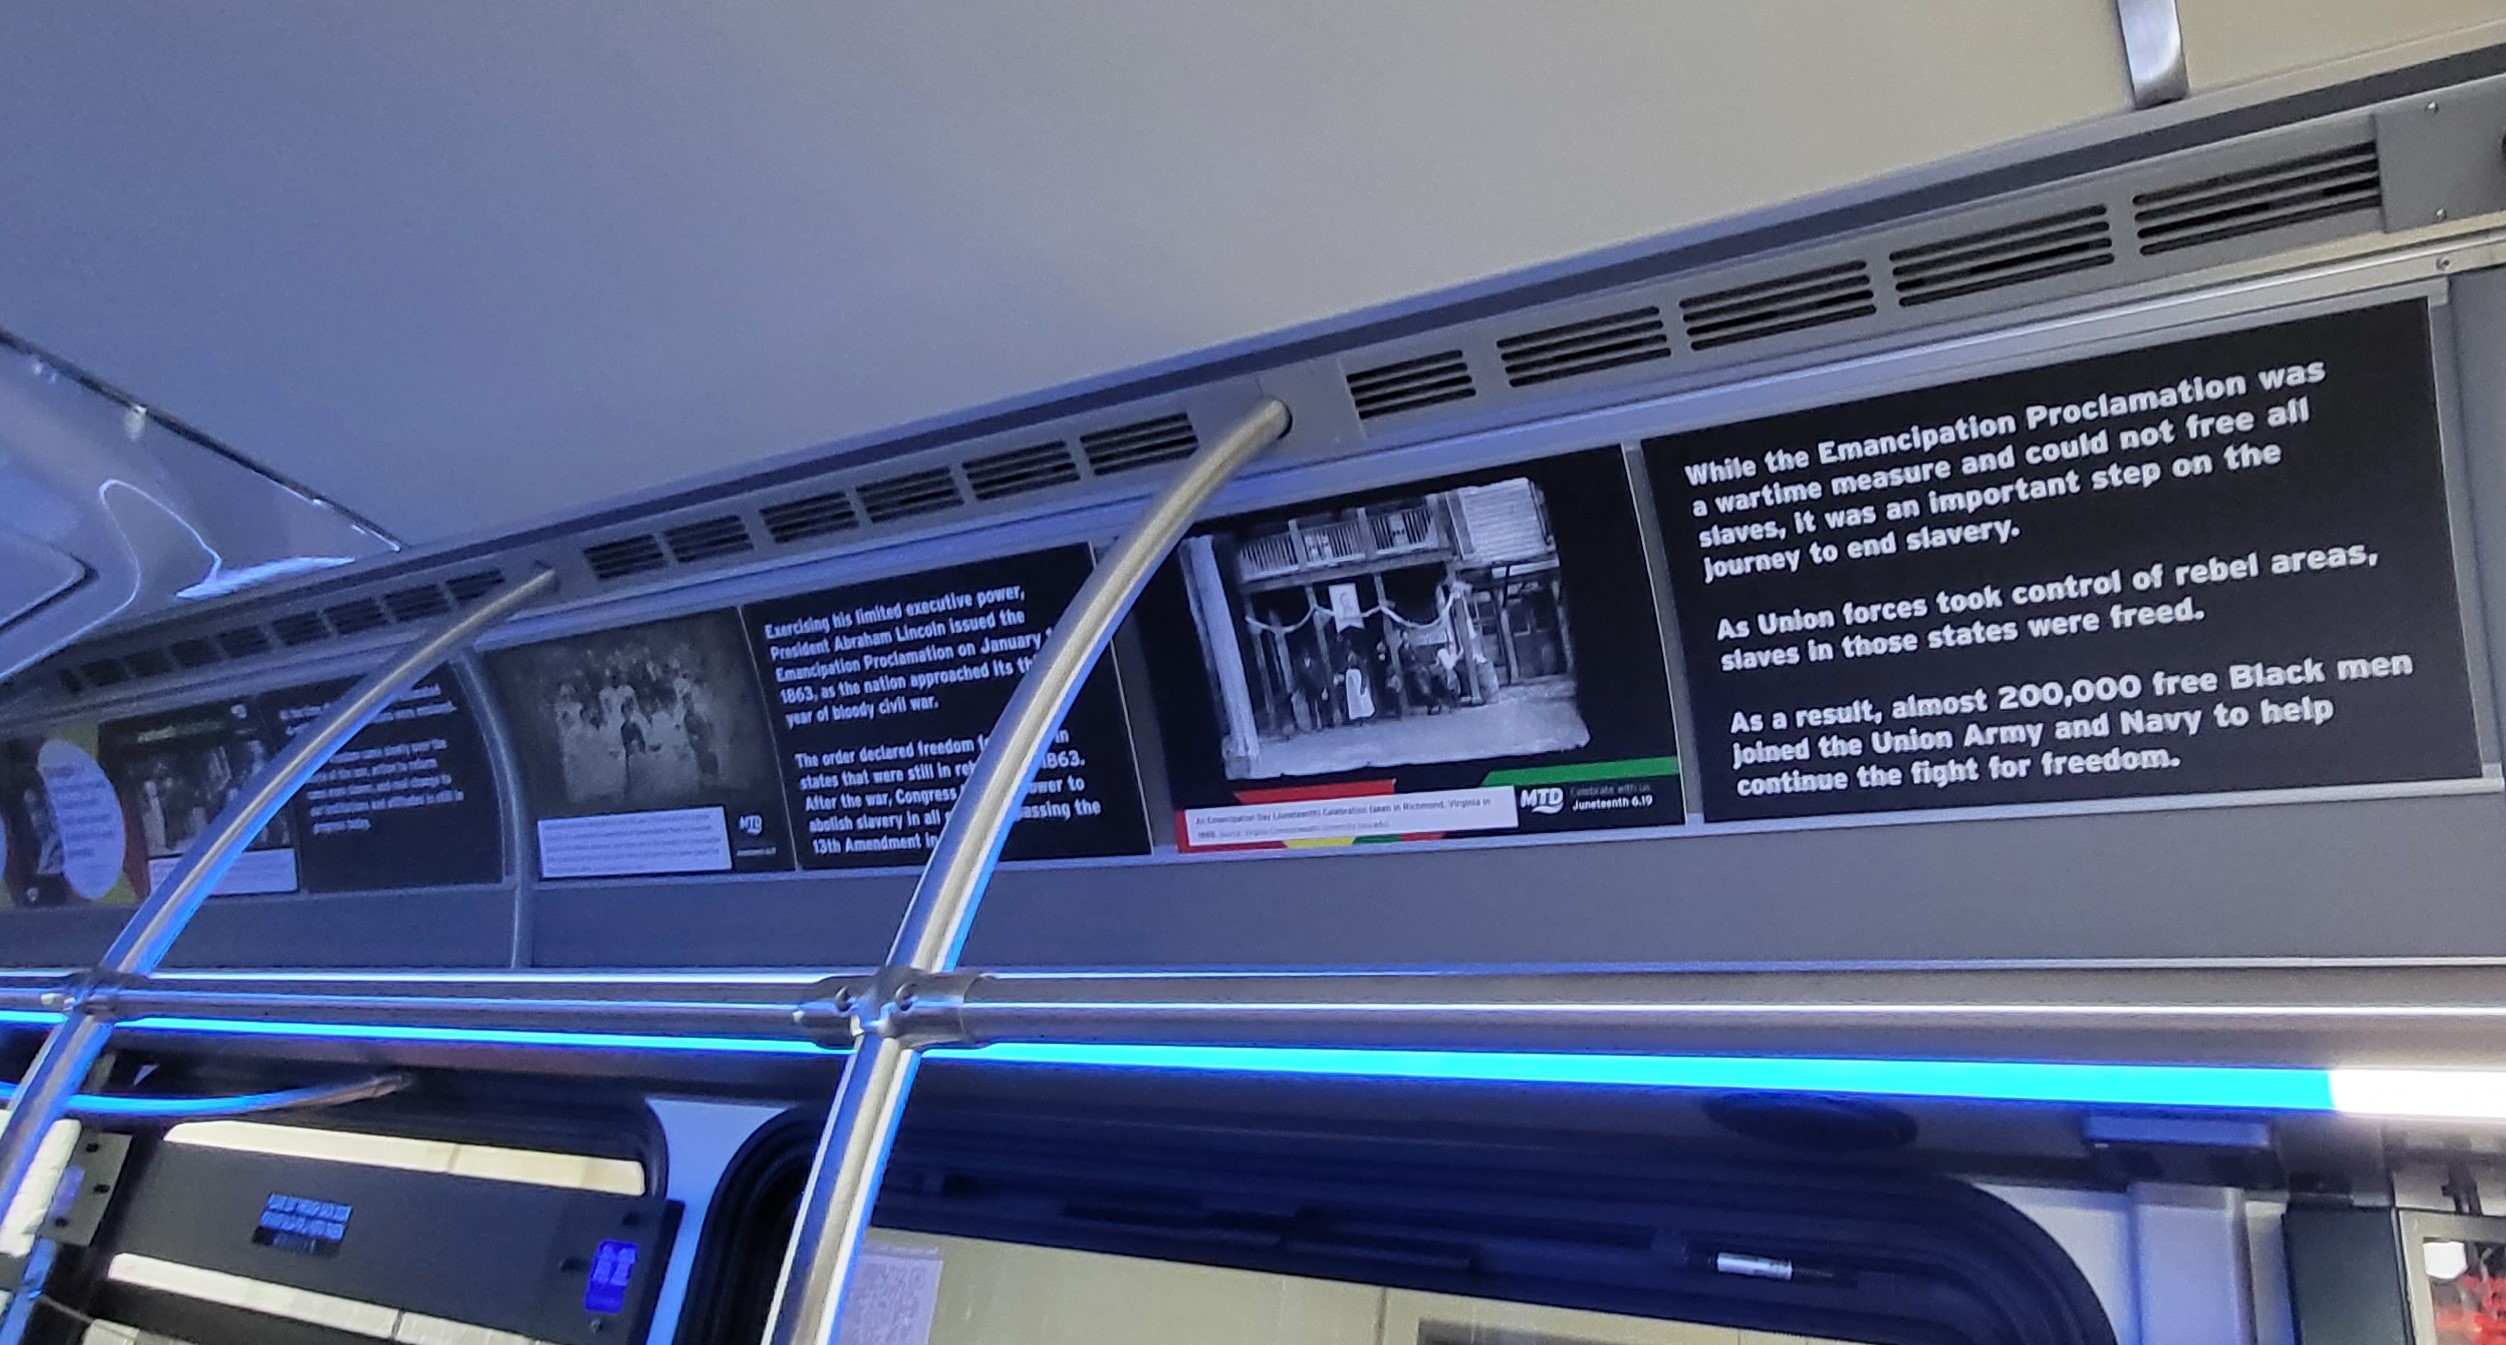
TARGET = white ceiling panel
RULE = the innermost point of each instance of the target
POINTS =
(464, 265)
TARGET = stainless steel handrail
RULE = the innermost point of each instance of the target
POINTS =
(2253, 1015)
(71, 1049)
(521, 1013)
(852, 1153)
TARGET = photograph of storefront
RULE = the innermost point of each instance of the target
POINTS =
(1410, 628)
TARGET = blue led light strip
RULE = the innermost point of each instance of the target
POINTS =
(2467, 1094)
(2247, 1088)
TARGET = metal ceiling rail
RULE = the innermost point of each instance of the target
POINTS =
(2248, 1016)
(861, 1125)
(86, 1002)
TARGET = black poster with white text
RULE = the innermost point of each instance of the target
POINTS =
(2221, 564)
(882, 694)
(407, 802)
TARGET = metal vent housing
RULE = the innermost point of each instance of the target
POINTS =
(1408, 385)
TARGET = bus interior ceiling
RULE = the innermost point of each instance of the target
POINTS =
(1610, 674)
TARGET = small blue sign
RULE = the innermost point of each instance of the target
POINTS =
(613, 1267)
(300, 1224)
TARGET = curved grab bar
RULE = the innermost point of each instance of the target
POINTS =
(853, 1150)
(71, 1049)
(168, 1110)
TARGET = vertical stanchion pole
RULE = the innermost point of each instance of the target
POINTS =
(861, 1124)
(75, 1044)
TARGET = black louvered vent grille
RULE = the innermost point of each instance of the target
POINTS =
(1144, 443)
(357, 617)
(103, 672)
(1791, 303)
(815, 516)
(2259, 200)
(996, 476)
(2015, 254)
(624, 556)
(243, 642)
(1586, 347)
(469, 588)
(299, 628)
(194, 653)
(923, 492)
(708, 538)
(416, 604)
(148, 662)
(1429, 380)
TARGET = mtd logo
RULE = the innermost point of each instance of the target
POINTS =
(1544, 799)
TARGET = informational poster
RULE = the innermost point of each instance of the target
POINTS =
(644, 750)
(2220, 564)
(67, 841)
(1472, 655)
(884, 692)
(175, 772)
(408, 802)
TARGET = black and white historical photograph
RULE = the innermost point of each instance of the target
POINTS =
(1454, 638)
(1409, 629)
(664, 715)
(176, 773)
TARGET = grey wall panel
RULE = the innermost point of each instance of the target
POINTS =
(448, 927)
(812, 920)
(2379, 878)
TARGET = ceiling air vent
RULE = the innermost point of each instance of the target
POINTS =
(2258, 200)
(1773, 307)
(416, 604)
(2015, 254)
(815, 516)
(1586, 347)
(1408, 385)
(299, 628)
(469, 588)
(103, 672)
(708, 538)
(243, 642)
(1143, 443)
(618, 558)
(357, 617)
(70, 682)
(148, 662)
(193, 653)
(996, 476)
(896, 497)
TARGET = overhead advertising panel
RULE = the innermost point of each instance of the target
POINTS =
(883, 693)
(2222, 564)
(66, 840)
(176, 771)
(408, 802)
(644, 750)
(1472, 655)
(103, 814)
